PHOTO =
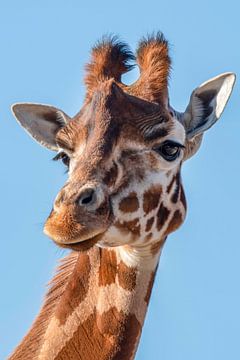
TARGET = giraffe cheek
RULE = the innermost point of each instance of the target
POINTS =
(127, 228)
(129, 204)
(175, 222)
(151, 198)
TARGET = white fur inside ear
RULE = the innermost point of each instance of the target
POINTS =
(224, 93)
(207, 104)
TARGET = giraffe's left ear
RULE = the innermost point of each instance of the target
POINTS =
(206, 104)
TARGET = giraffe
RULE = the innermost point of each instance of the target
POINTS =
(123, 197)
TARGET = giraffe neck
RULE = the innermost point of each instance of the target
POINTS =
(95, 307)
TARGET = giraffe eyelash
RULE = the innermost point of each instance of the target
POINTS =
(62, 156)
(58, 156)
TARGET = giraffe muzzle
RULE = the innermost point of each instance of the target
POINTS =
(82, 219)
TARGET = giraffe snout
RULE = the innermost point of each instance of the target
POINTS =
(80, 216)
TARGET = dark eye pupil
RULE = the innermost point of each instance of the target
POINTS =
(169, 150)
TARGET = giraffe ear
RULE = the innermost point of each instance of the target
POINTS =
(42, 122)
(206, 104)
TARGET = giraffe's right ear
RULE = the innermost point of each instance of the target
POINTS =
(41, 122)
(207, 103)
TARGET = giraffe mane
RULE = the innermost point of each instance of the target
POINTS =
(110, 58)
(56, 288)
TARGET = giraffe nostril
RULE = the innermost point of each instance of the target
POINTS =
(87, 197)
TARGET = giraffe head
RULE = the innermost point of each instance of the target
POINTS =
(124, 149)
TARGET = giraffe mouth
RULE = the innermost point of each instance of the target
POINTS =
(82, 245)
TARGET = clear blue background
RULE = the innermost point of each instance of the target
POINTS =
(194, 311)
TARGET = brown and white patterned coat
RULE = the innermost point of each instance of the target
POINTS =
(123, 196)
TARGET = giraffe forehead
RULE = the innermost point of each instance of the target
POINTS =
(105, 124)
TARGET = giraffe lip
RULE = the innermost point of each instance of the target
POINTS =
(83, 245)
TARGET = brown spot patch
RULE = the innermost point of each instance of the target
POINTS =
(132, 226)
(111, 335)
(108, 267)
(148, 237)
(175, 222)
(149, 224)
(162, 216)
(111, 176)
(175, 195)
(76, 289)
(151, 198)
(129, 338)
(169, 188)
(108, 322)
(88, 343)
(126, 276)
(130, 203)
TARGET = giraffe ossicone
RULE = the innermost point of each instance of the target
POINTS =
(123, 196)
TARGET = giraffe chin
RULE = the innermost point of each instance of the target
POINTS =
(81, 245)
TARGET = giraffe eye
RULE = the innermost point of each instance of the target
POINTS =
(169, 150)
(64, 157)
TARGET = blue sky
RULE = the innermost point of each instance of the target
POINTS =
(194, 311)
